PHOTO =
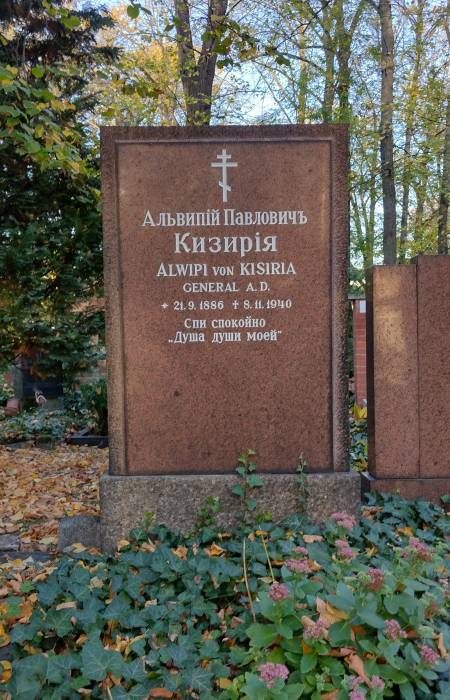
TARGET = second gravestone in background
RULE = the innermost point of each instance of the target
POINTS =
(226, 275)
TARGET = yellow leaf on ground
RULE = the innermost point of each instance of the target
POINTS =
(161, 693)
(148, 547)
(332, 695)
(441, 646)
(122, 544)
(328, 613)
(17, 516)
(180, 552)
(26, 610)
(68, 605)
(309, 539)
(214, 550)
(81, 640)
(77, 548)
(313, 565)
(405, 531)
(356, 664)
(4, 638)
(224, 683)
(6, 670)
(51, 539)
(96, 582)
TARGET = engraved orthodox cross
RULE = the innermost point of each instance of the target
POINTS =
(224, 164)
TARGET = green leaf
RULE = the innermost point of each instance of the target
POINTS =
(254, 481)
(135, 671)
(407, 691)
(307, 663)
(238, 491)
(93, 655)
(38, 71)
(71, 22)
(7, 109)
(32, 146)
(339, 633)
(24, 687)
(198, 679)
(371, 618)
(262, 635)
(98, 661)
(133, 11)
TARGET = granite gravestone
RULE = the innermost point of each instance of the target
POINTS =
(226, 275)
(409, 377)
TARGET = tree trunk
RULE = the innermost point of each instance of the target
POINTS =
(197, 75)
(328, 49)
(343, 41)
(303, 80)
(387, 139)
(420, 189)
(409, 131)
(445, 190)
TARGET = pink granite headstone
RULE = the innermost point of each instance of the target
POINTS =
(226, 271)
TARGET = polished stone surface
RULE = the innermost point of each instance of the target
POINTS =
(192, 407)
(392, 376)
(409, 376)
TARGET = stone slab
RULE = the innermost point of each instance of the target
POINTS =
(178, 401)
(433, 303)
(392, 371)
(9, 543)
(175, 500)
(79, 528)
(428, 489)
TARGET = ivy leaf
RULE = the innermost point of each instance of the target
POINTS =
(197, 679)
(98, 661)
(254, 481)
(238, 491)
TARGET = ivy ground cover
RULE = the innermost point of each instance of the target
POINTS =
(346, 611)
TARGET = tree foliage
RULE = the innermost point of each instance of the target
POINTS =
(50, 226)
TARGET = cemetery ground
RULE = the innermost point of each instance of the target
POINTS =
(348, 609)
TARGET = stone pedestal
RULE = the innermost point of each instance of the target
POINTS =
(408, 346)
(175, 500)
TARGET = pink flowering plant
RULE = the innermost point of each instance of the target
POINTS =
(349, 618)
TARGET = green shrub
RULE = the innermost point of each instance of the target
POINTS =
(358, 438)
(41, 425)
(90, 401)
(183, 613)
(6, 390)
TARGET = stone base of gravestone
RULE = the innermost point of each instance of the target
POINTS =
(176, 500)
(428, 489)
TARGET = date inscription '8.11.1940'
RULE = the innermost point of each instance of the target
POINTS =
(225, 262)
